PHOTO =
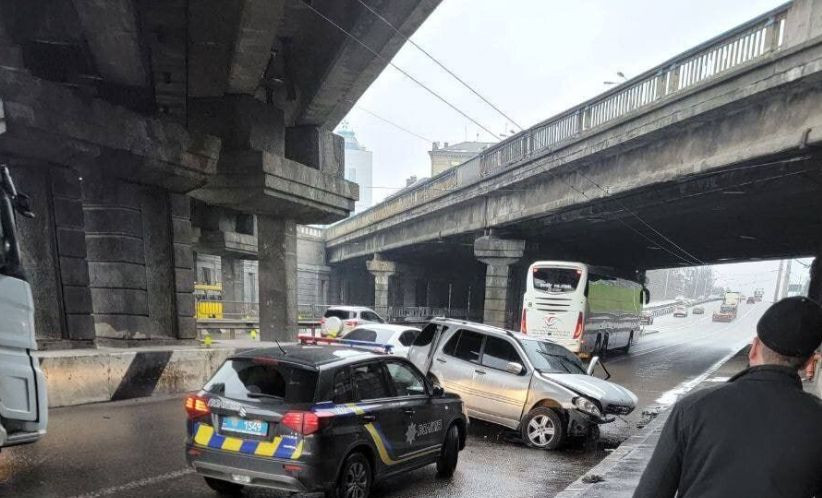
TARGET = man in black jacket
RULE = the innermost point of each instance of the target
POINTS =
(758, 435)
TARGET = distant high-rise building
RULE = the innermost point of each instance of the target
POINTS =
(448, 156)
(358, 168)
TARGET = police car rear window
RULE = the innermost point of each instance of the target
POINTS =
(263, 379)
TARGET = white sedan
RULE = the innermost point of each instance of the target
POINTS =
(400, 337)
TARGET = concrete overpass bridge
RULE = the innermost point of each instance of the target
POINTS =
(710, 157)
(146, 131)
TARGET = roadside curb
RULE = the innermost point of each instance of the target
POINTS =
(618, 474)
(623, 452)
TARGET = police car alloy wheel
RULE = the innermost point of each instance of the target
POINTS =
(543, 428)
(355, 477)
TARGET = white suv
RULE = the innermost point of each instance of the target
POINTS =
(532, 385)
(338, 320)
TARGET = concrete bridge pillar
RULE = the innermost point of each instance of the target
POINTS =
(498, 255)
(277, 275)
(231, 270)
(382, 271)
(408, 284)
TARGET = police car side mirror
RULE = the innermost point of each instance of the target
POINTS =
(437, 391)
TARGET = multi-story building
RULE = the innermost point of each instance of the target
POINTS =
(358, 167)
(448, 156)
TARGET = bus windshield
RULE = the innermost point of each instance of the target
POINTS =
(556, 279)
(551, 358)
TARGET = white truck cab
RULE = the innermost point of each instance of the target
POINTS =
(23, 403)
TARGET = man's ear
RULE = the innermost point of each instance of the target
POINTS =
(753, 354)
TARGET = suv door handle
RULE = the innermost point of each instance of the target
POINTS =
(481, 372)
(409, 411)
(441, 360)
(369, 418)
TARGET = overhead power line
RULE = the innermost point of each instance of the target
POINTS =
(440, 64)
(395, 125)
(401, 70)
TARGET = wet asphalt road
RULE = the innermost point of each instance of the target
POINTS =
(135, 448)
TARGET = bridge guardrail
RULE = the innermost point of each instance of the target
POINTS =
(730, 50)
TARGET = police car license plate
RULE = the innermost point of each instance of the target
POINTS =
(243, 426)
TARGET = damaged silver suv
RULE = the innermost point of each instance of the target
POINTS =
(532, 385)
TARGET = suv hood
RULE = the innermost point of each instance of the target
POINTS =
(607, 393)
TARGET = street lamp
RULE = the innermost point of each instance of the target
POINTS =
(621, 75)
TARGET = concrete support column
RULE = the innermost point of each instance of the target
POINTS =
(231, 270)
(408, 286)
(277, 253)
(498, 255)
(184, 267)
(382, 271)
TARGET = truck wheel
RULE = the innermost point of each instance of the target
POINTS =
(224, 488)
(447, 462)
(543, 428)
(355, 477)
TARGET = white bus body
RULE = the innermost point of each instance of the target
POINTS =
(587, 309)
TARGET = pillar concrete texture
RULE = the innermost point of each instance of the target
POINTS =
(277, 275)
(53, 248)
(498, 255)
(138, 241)
(232, 279)
(382, 271)
(184, 266)
(408, 284)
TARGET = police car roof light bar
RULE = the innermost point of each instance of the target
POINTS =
(347, 342)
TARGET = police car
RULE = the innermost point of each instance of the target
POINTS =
(324, 419)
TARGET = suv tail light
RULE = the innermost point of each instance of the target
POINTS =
(196, 406)
(303, 422)
(580, 326)
(523, 327)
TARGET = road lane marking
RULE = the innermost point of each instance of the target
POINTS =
(148, 481)
(670, 397)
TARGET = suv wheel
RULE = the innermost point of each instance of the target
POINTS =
(543, 428)
(355, 477)
(224, 488)
(447, 462)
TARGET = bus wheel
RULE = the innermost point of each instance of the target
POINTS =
(597, 347)
(630, 343)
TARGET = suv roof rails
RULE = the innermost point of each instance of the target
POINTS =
(365, 345)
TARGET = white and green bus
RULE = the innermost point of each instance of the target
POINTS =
(588, 309)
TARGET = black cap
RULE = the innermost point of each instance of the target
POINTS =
(792, 326)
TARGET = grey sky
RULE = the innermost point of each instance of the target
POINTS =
(532, 58)
(746, 277)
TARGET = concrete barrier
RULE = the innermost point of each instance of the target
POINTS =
(75, 377)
